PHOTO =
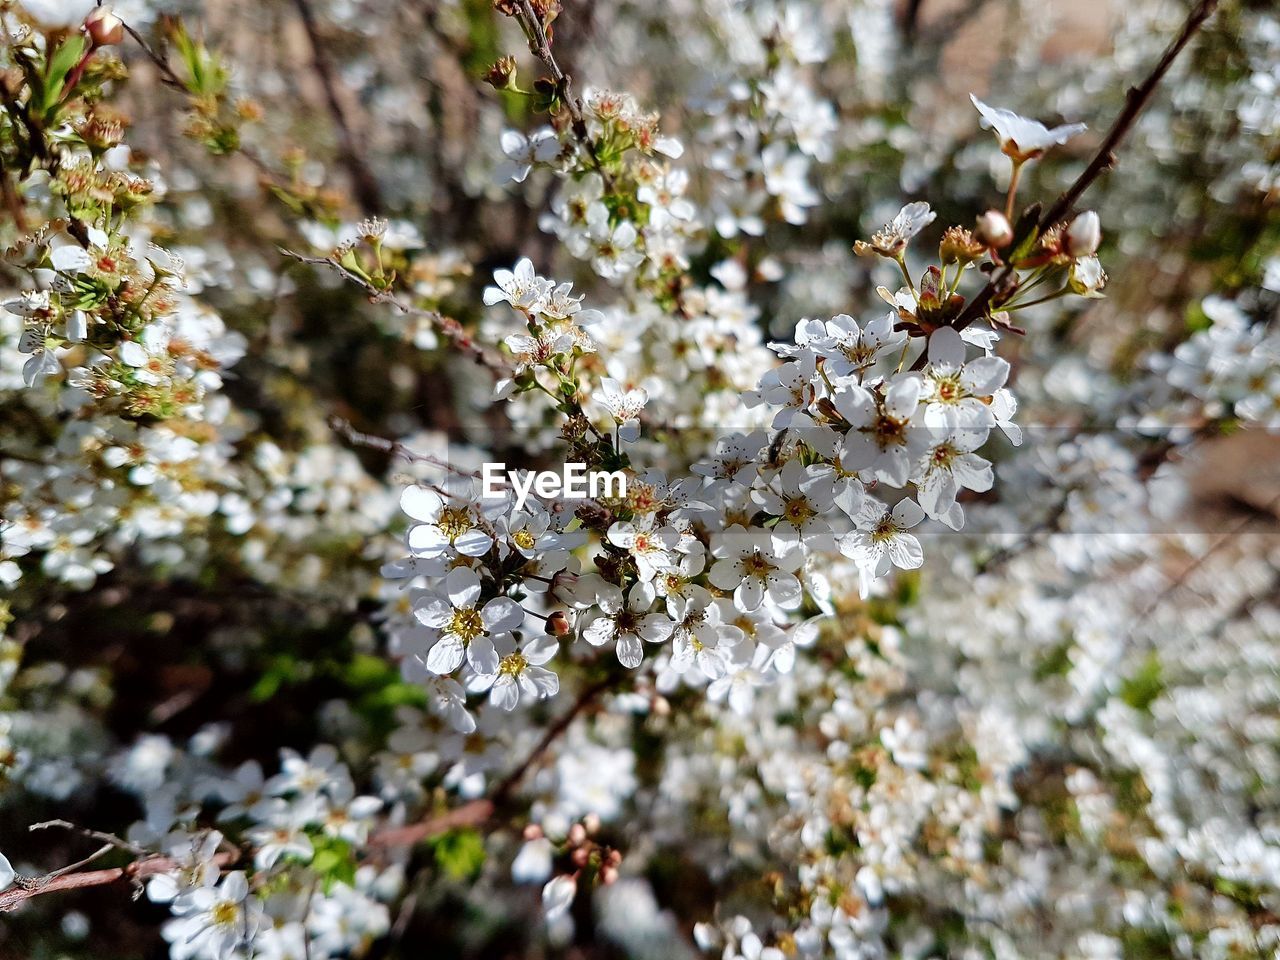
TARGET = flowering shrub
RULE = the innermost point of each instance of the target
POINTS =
(911, 626)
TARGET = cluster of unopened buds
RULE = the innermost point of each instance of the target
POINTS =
(592, 862)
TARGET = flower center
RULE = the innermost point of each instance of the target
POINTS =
(884, 530)
(513, 664)
(466, 624)
(225, 913)
(797, 511)
(948, 390)
(889, 431)
(454, 522)
(523, 539)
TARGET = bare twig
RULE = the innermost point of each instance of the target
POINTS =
(537, 33)
(585, 699)
(167, 74)
(108, 838)
(1136, 101)
(448, 326)
(478, 812)
(911, 19)
(470, 814)
(393, 448)
(363, 182)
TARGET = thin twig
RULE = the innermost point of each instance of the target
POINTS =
(537, 34)
(108, 838)
(477, 812)
(167, 74)
(1136, 101)
(448, 326)
(585, 699)
(394, 448)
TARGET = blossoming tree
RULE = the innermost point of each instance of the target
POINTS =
(912, 625)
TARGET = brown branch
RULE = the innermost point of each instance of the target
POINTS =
(477, 812)
(449, 327)
(363, 181)
(25, 888)
(911, 20)
(472, 814)
(585, 699)
(537, 34)
(468, 815)
(1136, 100)
(167, 74)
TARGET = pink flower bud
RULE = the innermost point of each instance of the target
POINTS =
(1084, 235)
(105, 29)
(993, 229)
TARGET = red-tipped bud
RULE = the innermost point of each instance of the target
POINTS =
(558, 624)
(105, 29)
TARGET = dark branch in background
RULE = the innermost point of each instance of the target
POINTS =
(363, 182)
(585, 699)
(911, 19)
(479, 811)
(942, 29)
(1136, 101)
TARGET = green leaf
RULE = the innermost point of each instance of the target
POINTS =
(1140, 690)
(459, 853)
(61, 62)
(332, 861)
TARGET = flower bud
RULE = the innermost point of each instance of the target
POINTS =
(959, 246)
(577, 834)
(993, 229)
(557, 896)
(1084, 235)
(828, 410)
(533, 831)
(558, 624)
(502, 75)
(105, 29)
